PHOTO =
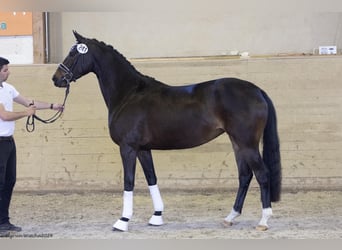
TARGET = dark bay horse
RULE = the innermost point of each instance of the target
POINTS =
(145, 114)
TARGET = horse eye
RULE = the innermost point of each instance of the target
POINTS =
(73, 50)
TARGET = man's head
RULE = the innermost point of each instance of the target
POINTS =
(3, 61)
(4, 72)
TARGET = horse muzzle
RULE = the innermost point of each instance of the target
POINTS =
(60, 82)
(63, 76)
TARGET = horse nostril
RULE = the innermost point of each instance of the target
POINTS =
(56, 82)
(54, 79)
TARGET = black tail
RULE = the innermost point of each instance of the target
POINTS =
(271, 151)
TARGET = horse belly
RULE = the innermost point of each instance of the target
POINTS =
(184, 137)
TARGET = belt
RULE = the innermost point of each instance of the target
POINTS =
(6, 138)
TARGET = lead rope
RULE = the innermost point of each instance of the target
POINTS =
(30, 122)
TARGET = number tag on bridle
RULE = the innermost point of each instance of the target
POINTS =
(82, 48)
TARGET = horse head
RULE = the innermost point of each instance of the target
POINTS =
(77, 63)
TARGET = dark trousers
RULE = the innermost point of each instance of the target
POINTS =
(8, 165)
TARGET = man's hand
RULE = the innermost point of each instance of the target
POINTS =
(31, 110)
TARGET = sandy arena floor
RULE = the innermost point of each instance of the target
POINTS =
(188, 215)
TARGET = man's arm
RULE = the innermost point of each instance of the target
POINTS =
(38, 104)
(13, 116)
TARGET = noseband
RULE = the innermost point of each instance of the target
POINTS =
(68, 75)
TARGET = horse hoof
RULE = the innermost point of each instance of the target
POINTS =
(114, 229)
(227, 223)
(156, 220)
(121, 226)
(261, 228)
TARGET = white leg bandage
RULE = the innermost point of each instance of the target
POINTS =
(156, 219)
(233, 214)
(156, 198)
(266, 214)
(127, 211)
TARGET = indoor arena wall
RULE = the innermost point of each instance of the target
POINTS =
(76, 152)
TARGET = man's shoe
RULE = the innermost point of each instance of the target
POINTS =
(8, 227)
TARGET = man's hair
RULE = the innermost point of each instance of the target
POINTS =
(3, 61)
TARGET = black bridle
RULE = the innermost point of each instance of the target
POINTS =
(68, 77)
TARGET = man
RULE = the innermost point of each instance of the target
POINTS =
(8, 94)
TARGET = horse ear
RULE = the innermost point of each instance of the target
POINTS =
(78, 37)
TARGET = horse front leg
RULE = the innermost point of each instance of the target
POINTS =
(128, 156)
(146, 161)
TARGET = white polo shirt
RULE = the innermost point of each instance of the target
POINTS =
(7, 94)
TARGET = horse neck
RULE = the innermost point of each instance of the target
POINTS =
(116, 80)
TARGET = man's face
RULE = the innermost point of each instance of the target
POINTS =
(4, 73)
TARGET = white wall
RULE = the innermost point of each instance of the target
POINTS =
(141, 34)
(17, 49)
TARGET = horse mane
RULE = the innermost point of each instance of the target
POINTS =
(122, 59)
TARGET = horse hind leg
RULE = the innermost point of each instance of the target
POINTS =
(249, 161)
(146, 161)
(245, 177)
(262, 176)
